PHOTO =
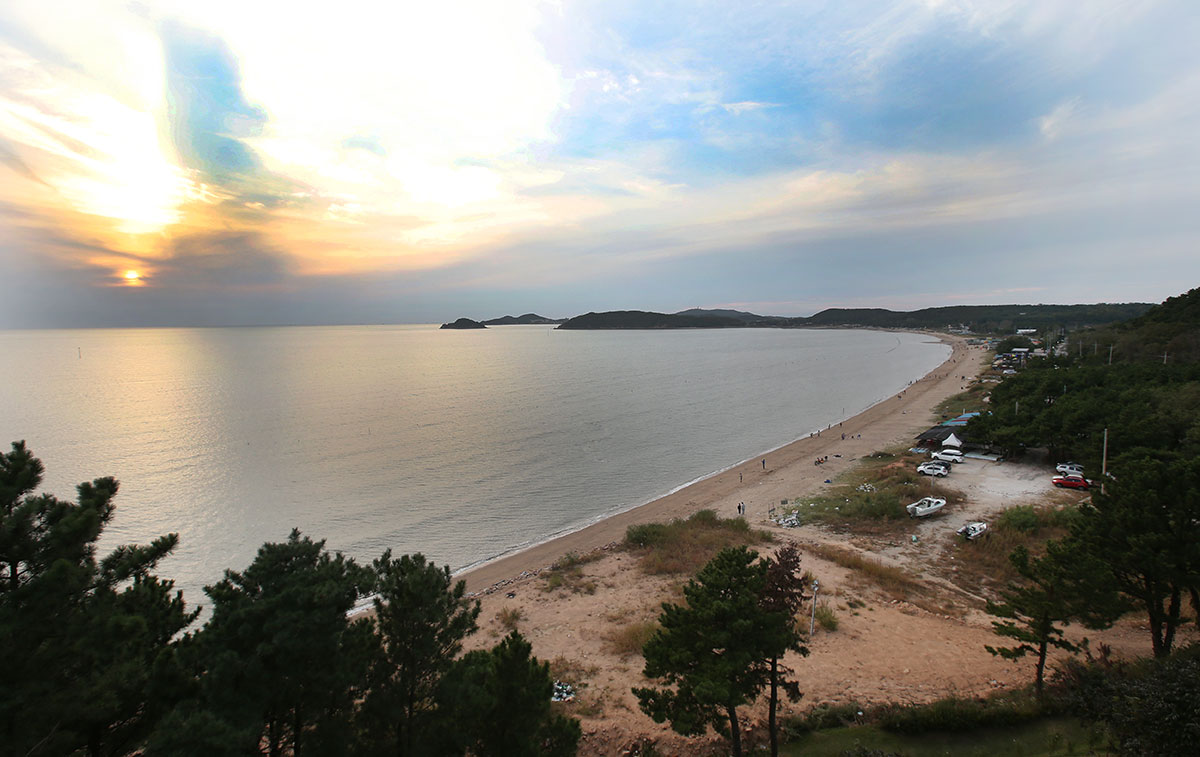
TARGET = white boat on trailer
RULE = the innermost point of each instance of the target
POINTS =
(925, 506)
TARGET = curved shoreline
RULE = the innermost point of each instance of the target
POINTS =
(786, 469)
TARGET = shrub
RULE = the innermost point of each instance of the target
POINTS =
(628, 640)
(960, 714)
(825, 617)
(684, 546)
(509, 617)
(822, 717)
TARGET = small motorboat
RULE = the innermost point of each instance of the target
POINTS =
(925, 506)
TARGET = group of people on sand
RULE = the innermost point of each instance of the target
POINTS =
(821, 460)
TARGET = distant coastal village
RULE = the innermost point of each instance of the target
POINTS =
(1002, 557)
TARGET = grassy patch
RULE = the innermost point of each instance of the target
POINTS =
(960, 714)
(825, 617)
(509, 617)
(874, 491)
(984, 563)
(1049, 737)
(967, 401)
(684, 546)
(629, 639)
(567, 573)
(896, 582)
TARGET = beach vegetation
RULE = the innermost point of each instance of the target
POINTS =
(279, 663)
(567, 572)
(712, 654)
(873, 494)
(825, 616)
(421, 620)
(629, 639)
(509, 617)
(1149, 706)
(985, 563)
(783, 594)
(90, 649)
(1062, 585)
(497, 701)
(684, 546)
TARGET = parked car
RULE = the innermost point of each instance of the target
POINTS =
(934, 468)
(947, 456)
(1071, 482)
(925, 506)
(1070, 469)
(973, 531)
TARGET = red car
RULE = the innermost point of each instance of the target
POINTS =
(1072, 482)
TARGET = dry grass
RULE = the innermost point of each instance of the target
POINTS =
(567, 573)
(629, 639)
(685, 546)
(509, 617)
(895, 582)
(872, 495)
(587, 703)
(984, 565)
(825, 617)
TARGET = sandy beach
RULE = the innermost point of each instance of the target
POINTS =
(783, 473)
(884, 650)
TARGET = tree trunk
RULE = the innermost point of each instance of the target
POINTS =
(735, 731)
(1039, 683)
(772, 721)
(1172, 621)
(1195, 604)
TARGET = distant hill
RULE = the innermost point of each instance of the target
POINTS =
(981, 318)
(529, 319)
(464, 323)
(640, 319)
(749, 319)
(1171, 328)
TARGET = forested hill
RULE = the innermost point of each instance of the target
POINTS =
(640, 319)
(521, 320)
(1169, 331)
(981, 318)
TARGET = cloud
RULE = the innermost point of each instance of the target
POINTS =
(210, 117)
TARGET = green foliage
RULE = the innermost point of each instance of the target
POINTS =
(280, 663)
(89, 660)
(497, 701)
(822, 717)
(1068, 583)
(713, 653)
(825, 617)
(960, 714)
(422, 618)
(683, 546)
(1145, 530)
(1152, 707)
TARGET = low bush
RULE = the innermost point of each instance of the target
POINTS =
(822, 717)
(685, 546)
(629, 639)
(509, 617)
(960, 714)
(825, 617)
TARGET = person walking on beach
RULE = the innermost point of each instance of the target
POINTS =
(739, 477)
(764, 463)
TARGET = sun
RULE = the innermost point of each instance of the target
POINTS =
(132, 278)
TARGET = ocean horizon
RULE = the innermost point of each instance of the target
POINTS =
(463, 445)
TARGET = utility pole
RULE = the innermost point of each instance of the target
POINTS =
(1104, 463)
(1110, 348)
(813, 618)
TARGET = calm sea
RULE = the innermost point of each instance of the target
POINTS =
(463, 445)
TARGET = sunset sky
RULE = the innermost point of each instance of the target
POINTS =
(177, 162)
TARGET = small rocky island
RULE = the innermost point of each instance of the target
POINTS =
(464, 323)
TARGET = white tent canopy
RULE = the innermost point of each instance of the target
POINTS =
(952, 441)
